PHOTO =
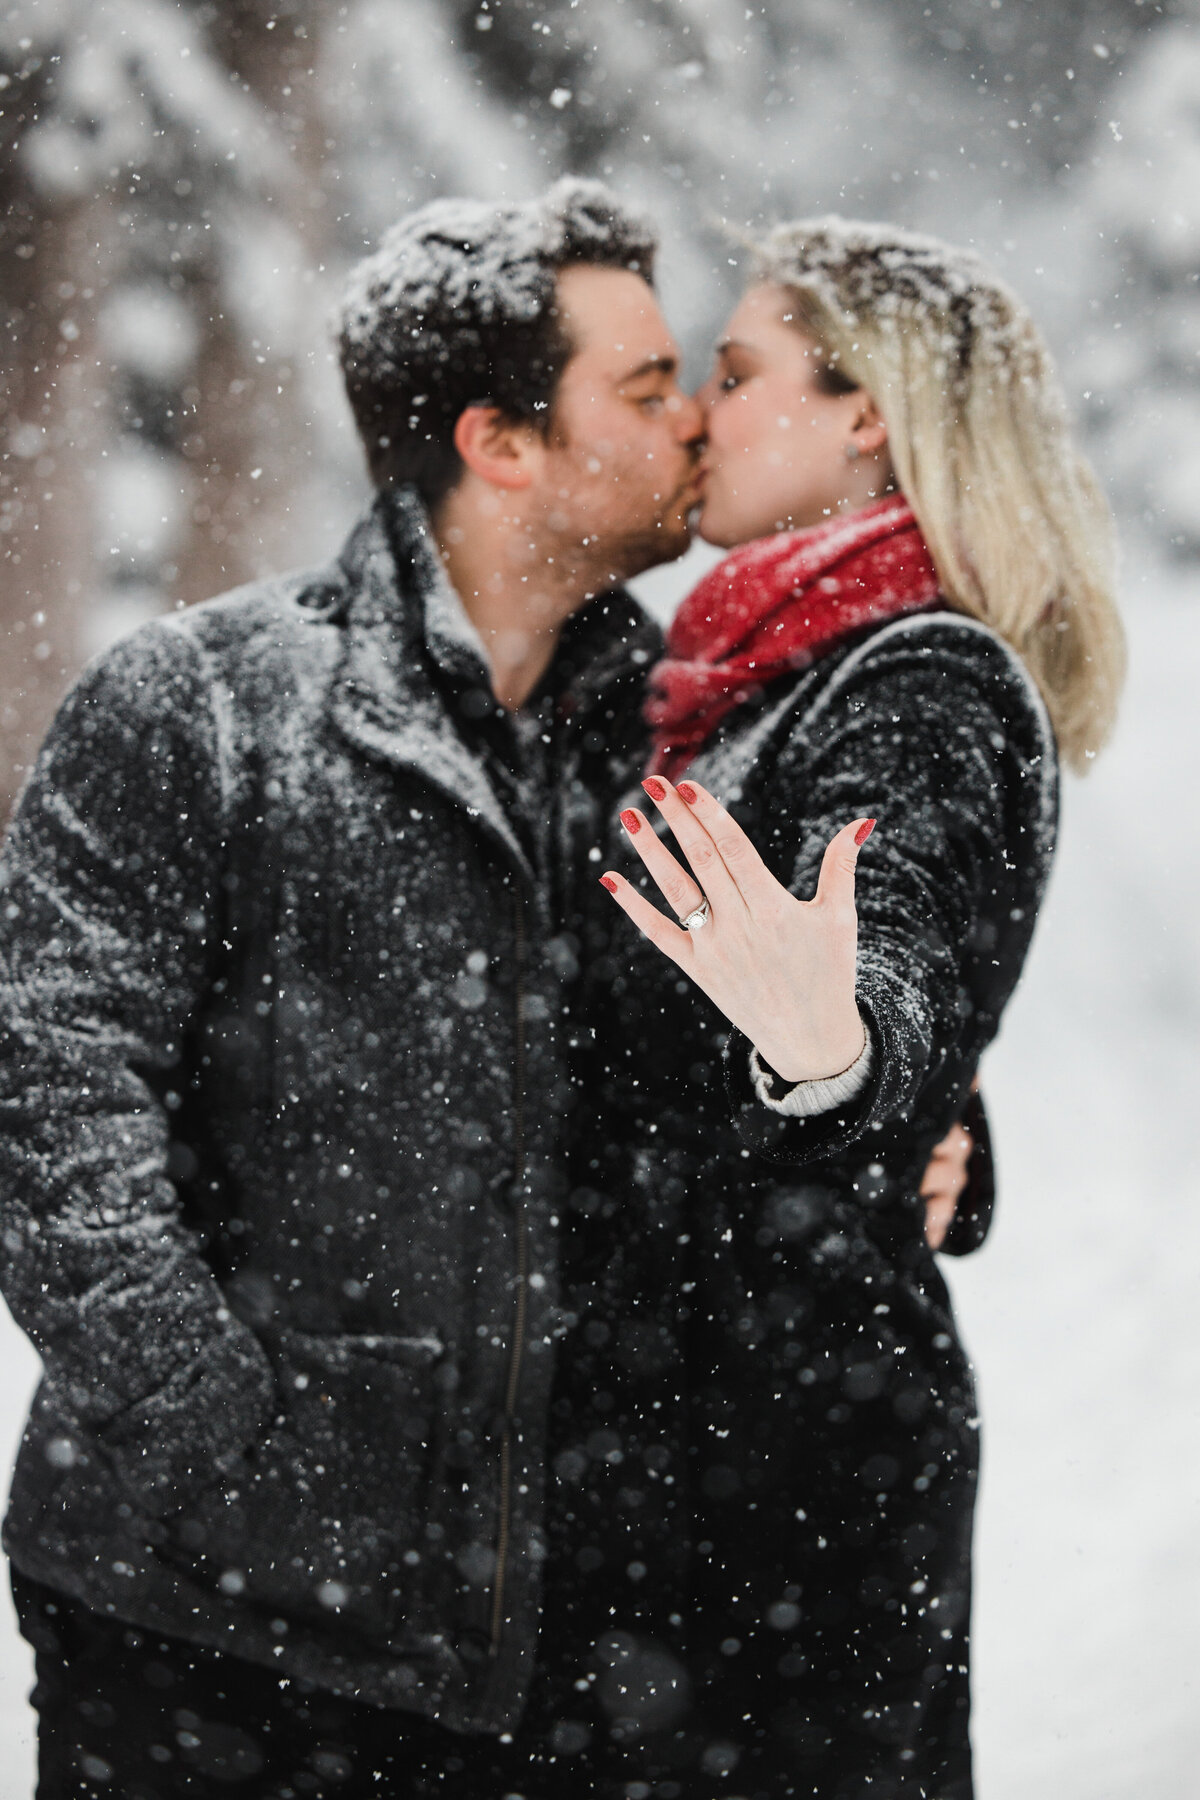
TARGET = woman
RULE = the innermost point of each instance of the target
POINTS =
(915, 619)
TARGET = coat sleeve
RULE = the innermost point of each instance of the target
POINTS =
(109, 905)
(926, 733)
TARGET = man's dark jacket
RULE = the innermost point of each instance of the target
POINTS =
(283, 1088)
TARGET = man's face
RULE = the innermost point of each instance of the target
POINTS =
(620, 472)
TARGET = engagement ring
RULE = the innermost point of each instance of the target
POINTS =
(695, 920)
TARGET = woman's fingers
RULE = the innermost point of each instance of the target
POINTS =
(671, 939)
(779, 968)
(835, 885)
(708, 865)
(735, 849)
(677, 887)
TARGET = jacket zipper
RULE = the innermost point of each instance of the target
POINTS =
(520, 1228)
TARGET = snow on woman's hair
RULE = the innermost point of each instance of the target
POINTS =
(980, 442)
(458, 306)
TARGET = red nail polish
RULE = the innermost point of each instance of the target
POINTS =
(864, 831)
(687, 793)
(655, 788)
(632, 821)
(606, 881)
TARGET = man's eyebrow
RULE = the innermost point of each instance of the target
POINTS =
(653, 365)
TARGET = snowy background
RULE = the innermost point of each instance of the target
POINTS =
(181, 186)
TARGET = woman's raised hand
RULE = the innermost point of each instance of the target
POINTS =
(780, 969)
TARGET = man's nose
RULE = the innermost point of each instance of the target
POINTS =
(689, 421)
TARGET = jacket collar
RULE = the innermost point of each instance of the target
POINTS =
(400, 615)
(411, 650)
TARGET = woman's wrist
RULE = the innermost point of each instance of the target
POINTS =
(843, 1054)
(806, 1099)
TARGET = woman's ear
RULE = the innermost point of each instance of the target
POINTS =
(497, 449)
(869, 432)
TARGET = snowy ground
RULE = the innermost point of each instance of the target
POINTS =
(1082, 1311)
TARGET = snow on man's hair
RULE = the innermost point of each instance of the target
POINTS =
(458, 306)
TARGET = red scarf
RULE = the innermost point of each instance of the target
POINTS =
(777, 604)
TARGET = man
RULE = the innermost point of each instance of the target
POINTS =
(284, 1080)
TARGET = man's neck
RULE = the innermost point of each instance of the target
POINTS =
(517, 586)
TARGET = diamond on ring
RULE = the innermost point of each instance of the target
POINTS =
(695, 921)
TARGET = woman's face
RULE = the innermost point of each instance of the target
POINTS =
(782, 454)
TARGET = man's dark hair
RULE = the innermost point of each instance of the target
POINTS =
(457, 307)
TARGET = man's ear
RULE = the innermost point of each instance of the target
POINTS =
(497, 449)
(869, 431)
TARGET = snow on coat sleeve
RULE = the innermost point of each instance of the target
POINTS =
(929, 732)
(109, 891)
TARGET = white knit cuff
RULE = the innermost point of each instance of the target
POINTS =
(808, 1098)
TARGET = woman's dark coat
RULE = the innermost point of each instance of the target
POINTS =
(283, 1097)
(831, 1433)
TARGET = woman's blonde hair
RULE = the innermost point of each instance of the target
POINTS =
(980, 442)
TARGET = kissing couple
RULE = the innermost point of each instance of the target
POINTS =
(481, 1087)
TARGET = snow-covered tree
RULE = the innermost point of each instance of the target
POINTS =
(1142, 369)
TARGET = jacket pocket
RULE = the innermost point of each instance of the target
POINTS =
(324, 1520)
